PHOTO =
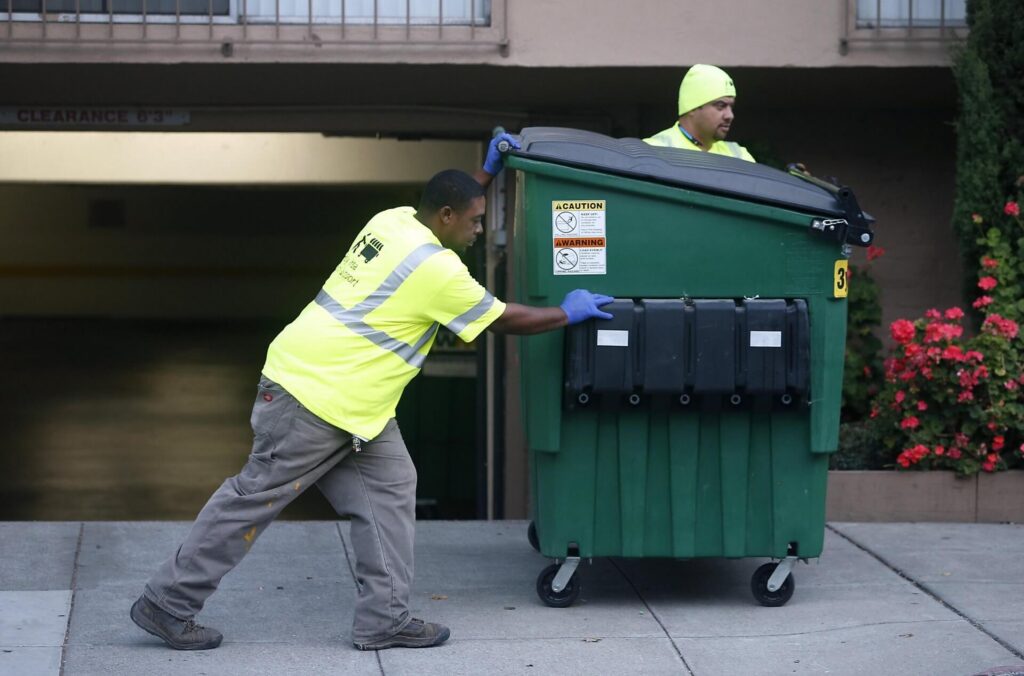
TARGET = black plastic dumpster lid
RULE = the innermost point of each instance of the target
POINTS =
(705, 172)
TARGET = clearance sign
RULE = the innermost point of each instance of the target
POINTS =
(578, 237)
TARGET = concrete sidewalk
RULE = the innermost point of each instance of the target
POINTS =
(883, 599)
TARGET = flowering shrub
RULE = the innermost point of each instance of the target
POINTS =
(953, 400)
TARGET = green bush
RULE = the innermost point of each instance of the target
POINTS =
(862, 368)
(860, 448)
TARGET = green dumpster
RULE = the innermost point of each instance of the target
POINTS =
(698, 421)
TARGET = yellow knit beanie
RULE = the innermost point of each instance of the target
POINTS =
(701, 84)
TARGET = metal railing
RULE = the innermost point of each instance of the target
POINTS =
(902, 21)
(316, 23)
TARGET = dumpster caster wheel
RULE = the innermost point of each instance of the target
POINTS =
(759, 586)
(531, 535)
(562, 599)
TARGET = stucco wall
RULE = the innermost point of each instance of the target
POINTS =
(564, 33)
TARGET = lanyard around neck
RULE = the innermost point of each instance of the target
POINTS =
(689, 137)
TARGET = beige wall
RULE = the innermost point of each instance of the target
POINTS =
(220, 158)
(566, 33)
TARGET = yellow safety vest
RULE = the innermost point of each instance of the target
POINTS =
(351, 352)
(673, 138)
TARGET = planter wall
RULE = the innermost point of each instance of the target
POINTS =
(925, 496)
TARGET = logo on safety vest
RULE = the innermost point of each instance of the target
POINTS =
(368, 247)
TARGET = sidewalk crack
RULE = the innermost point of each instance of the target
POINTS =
(926, 590)
(657, 619)
(71, 606)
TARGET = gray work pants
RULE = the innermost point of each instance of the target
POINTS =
(292, 450)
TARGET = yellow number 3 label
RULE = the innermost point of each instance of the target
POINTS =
(842, 279)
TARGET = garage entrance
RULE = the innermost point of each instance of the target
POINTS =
(141, 279)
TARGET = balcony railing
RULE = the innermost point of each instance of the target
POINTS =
(906, 21)
(318, 23)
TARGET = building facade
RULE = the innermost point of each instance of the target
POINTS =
(191, 149)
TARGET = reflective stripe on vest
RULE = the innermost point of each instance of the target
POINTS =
(353, 317)
(734, 148)
(471, 315)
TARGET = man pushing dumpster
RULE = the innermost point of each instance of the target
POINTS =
(325, 407)
(706, 99)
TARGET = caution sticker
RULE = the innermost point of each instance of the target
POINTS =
(841, 287)
(578, 237)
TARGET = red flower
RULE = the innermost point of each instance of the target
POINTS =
(982, 302)
(910, 422)
(933, 314)
(911, 349)
(867, 371)
(992, 426)
(912, 456)
(902, 331)
(1011, 209)
(989, 263)
(1011, 385)
(922, 406)
(900, 396)
(965, 395)
(874, 412)
(975, 355)
(961, 439)
(936, 331)
(939, 450)
(999, 326)
(987, 283)
(988, 466)
(875, 252)
(953, 353)
(954, 313)
(955, 453)
(998, 443)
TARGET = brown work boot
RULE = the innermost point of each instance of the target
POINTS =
(179, 634)
(417, 634)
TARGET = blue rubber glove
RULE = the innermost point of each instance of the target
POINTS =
(494, 163)
(581, 305)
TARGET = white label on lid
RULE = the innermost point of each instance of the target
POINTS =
(613, 338)
(766, 339)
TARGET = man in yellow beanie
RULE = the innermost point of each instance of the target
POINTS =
(706, 98)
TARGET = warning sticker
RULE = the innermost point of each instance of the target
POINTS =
(578, 237)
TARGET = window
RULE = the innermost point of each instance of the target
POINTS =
(368, 12)
(120, 7)
(911, 13)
